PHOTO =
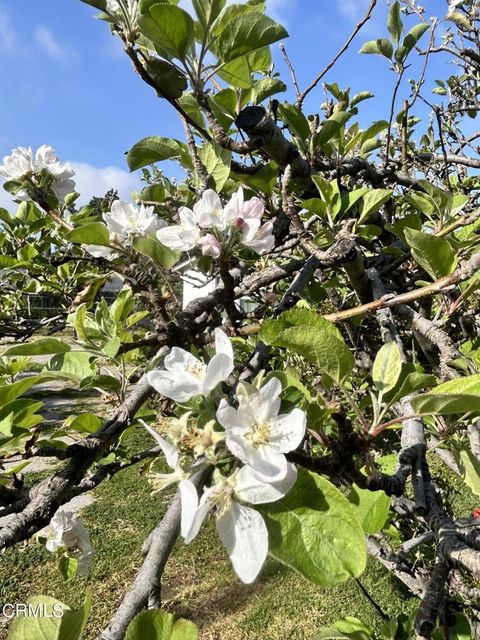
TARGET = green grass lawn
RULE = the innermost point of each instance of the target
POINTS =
(199, 583)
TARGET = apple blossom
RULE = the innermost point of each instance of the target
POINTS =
(210, 246)
(241, 529)
(21, 163)
(18, 164)
(125, 219)
(45, 159)
(185, 376)
(66, 533)
(258, 237)
(215, 228)
(183, 236)
(257, 435)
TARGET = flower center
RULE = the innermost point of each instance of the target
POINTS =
(260, 434)
(221, 498)
(196, 369)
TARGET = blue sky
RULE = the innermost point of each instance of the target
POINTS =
(66, 82)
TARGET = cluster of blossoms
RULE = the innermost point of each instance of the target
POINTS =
(124, 221)
(248, 443)
(216, 229)
(66, 535)
(23, 165)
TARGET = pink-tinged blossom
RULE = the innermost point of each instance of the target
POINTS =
(210, 246)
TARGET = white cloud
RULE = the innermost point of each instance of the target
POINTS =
(54, 49)
(7, 34)
(96, 181)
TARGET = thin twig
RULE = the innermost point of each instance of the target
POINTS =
(365, 19)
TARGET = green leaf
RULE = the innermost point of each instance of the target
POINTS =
(247, 32)
(84, 423)
(151, 247)
(469, 468)
(263, 181)
(461, 395)
(294, 118)
(207, 11)
(312, 337)
(410, 40)
(372, 201)
(330, 128)
(53, 620)
(68, 568)
(387, 367)
(382, 46)
(360, 97)
(394, 22)
(170, 28)
(217, 162)
(74, 364)
(315, 531)
(98, 4)
(42, 346)
(372, 508)
(90, 233)
(159, 625)
(432, 253)
(103, 382)
(267, 87)
(168, 79)
(152, 149)
(10, 392)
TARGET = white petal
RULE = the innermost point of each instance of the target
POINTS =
(288, 430)
(223, 343)
(170, 451)
(218, 370)
(179, 361)
(229, 418)
(249, 488)
(245, 537)
(269, 465)
(264, 403)
(99, 251)
(177, 238)
(172, 387)
(113, 224)
(193, 513)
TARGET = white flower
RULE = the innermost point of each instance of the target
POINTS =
(238, 219)
(45, 159)
(208, 212)
(183, 236)
(18, 164)
(258, 237)
(100, 251)
(21, 162)
(126, 219)
(258, 436)
(186, 376)
(66, 533)
(239, 209)
(240, 528)
(161, 481)
(210, 246)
